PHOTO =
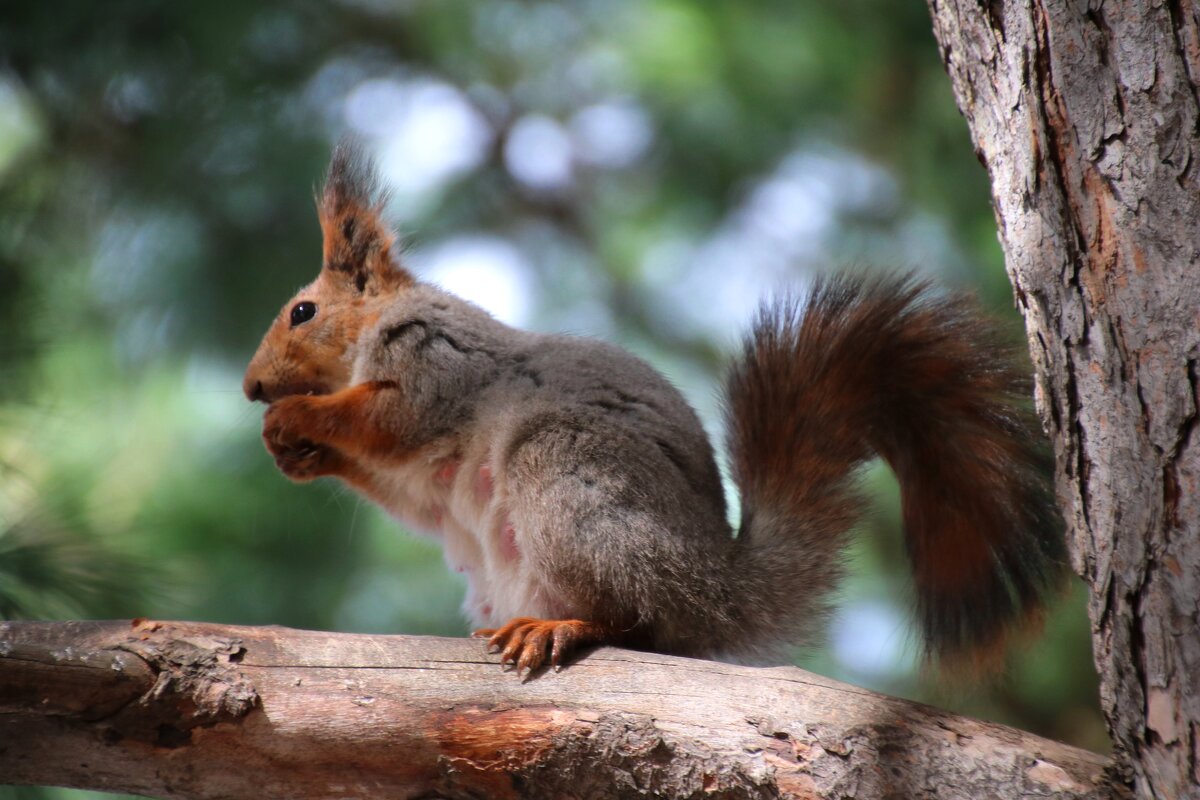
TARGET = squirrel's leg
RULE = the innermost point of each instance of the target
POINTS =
(315, 435)
(523, 641)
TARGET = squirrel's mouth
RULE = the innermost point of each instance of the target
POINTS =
(269, 394)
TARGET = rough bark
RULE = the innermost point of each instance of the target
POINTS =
(1086, 117)
(203, 711)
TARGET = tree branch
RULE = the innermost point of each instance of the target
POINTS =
(198, 710)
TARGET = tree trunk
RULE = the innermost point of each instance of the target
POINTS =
(1087, 119)
(204, 711)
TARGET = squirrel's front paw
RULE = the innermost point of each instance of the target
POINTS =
(306, 461)
(288, 437)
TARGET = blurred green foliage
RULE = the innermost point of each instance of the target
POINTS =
(626, 165)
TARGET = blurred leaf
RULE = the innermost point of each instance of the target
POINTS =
(50, 567)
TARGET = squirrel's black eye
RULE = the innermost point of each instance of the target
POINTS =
(302, 312)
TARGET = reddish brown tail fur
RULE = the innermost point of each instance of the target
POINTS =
(883, 366)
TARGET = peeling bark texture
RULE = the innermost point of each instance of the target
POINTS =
(1086, 116)
(194, 710)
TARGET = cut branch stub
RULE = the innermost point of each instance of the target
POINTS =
(147, 687)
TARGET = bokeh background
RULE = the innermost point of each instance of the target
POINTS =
(638, 170)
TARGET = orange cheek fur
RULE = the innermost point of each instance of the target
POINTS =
(296, 361)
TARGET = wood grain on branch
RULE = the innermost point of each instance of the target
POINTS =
(203, 711)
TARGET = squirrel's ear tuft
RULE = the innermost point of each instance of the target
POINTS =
(358, 241)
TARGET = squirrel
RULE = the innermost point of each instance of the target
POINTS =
(578, 492)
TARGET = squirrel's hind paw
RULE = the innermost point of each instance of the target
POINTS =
(523, 641)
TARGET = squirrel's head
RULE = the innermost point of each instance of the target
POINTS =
(309, 349)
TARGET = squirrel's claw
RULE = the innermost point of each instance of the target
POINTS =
(523, 642)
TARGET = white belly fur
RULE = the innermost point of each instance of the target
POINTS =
(461, 502)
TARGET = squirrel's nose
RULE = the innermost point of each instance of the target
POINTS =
(253, 390)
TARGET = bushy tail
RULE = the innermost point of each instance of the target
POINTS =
(883, 366)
